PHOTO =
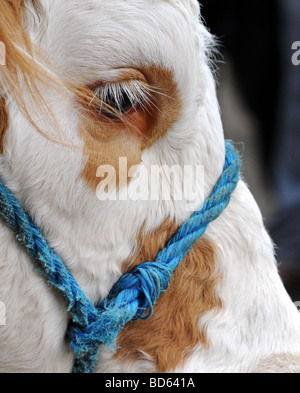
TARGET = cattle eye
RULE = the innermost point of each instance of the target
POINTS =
(116, 100)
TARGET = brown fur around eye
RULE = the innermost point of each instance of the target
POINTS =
(106, 141)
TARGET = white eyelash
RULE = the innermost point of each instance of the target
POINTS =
(137, 92)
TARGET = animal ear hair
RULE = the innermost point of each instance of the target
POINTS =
(13, 37)
(3, 123)
(20, 71)
(12, 8)
(11, 34)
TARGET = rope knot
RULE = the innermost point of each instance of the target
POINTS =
(147, 282)
(133, 297)
(135, 294)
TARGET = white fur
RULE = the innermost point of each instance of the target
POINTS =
(89, 39)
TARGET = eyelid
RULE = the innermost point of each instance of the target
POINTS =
(118, 75)
(138, 93)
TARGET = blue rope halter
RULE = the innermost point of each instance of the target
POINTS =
(135, 294)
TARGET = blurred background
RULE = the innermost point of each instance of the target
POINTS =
(259, 92)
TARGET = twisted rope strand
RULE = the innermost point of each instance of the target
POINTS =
(135, 294)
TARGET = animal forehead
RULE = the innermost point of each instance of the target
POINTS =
(117, 33)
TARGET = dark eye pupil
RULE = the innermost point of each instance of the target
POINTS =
(122, 105)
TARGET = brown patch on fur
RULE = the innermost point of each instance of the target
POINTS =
(150, 245)
(166, 99)
(104, 144)
(3, 123)
(106, 140)
(173, 331)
